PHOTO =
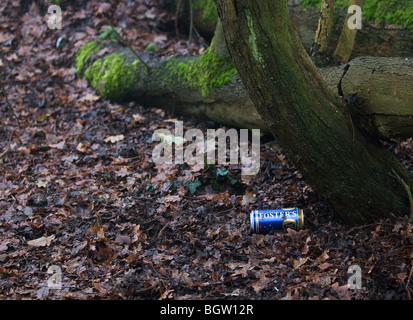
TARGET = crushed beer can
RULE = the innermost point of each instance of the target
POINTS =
(263, 221)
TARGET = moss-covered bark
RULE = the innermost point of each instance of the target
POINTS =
(356, 177)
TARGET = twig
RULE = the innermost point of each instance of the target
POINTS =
(163, 229)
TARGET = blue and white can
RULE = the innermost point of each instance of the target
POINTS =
(263, 221)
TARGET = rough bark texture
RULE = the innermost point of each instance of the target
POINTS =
(381, 94)
(360, 180)
(324, 29)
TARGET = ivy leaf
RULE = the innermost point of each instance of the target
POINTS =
(222, 171)
(232, 179)
(193, 185)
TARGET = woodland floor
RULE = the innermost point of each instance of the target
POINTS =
(78, 189)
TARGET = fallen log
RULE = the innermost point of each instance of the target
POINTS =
(379, 91)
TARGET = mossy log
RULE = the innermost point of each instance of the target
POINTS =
(379, 90)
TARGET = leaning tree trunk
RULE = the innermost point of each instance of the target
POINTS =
(360, 180)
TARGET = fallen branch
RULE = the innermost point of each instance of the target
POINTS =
(379, 107)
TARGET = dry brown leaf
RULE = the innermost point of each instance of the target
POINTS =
(298, 263)
(218, 197)
(41, 242)
(60, 145)
(3, 245)
(81, 147)
(120, 240)
(89, 97)
(305, 248)
(322, 257)
(170, 198)
(248, 198)
(138, 117)
(325, 265)
(261, 283)
(114, 139)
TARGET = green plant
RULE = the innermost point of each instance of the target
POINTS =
(193, 185)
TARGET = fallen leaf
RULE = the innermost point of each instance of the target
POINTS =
(98, 229)
(99, 288)
(167, 294)
(104, 7)
(248, 198)
(81, 147)
(114, 139)
(3, 245)
(41, 184)
(305, 248)
(60, 145)
(261, 283)
(322, 257)
(341, 290)
(89, 97)
(170, 198)
(120, 240)
(138, 117)
(217, 197)
(41, 242)
(325, 265)
(298, 263)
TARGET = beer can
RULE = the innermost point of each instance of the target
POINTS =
(263, 221)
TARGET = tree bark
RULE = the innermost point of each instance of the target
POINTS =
(359, 179)
(380, 91)
(324, 29)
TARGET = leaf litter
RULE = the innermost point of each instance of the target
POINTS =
(79, 191)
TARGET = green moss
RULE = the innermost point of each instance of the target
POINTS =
(210, 10)
(205, 72)
(391, 11)
(398, 12)
(113, 76)
(84, 54)
(253, 39)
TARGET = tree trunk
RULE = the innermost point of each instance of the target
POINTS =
(360, 180)
(324, 29)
